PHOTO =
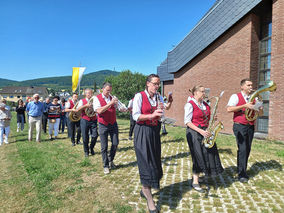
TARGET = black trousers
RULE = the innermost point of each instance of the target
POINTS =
(86, 128)
(112, 131)
(44, 121)
(244, 135)
(75, 127)
(132, 125)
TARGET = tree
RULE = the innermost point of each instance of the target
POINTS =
(126, 84)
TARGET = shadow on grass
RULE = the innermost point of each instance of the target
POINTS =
(177, 140)
(226, 151)
(176, 191)
(264, 166)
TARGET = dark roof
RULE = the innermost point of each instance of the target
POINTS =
(222, 15)
(42, 91)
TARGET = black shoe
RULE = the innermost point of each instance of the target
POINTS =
(142, 194)
(92, 152)
(197, 188)
(153, 211)
(130, 138)
(243, 180)
(79, 142)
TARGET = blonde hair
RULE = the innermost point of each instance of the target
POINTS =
(195, 89)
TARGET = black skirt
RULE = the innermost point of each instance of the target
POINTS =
(147, 144)
(204, 159)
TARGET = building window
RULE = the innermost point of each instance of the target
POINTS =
(18, 96)
(264, 72)
(11, 96)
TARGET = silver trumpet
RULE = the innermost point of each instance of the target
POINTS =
(120, 106)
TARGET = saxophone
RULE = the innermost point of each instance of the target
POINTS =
(252, 115)
(214, 130)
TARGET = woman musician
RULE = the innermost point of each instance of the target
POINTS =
(196, 118)
(147, 141)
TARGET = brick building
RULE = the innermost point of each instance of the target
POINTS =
(235, 39)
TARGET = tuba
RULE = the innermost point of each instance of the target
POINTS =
(90, 111)
(251, 114)
(75, 116)
(214, 130)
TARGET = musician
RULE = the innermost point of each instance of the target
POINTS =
(147, 141)
(196, 118)
(74, 127)
(105, 105)
(88, 124)
(132, 121)
(243, 129)
(54, 110)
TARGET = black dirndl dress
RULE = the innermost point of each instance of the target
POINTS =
(147, 144)
(204, 159)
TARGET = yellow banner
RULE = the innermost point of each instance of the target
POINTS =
(77, 76)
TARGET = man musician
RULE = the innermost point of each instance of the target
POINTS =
(243, 129)
(105, 105)
(73, 126)
(88, 124)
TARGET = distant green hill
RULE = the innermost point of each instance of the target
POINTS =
(63, 82)
(6, 82)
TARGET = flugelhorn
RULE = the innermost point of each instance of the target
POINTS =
(89, 111)
(251, 114)
(75, 116)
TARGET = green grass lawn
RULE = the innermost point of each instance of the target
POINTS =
(53, 176)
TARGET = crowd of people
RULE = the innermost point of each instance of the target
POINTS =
(146, 113)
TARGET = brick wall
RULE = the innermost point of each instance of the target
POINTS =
(221, 66)
(276, 107)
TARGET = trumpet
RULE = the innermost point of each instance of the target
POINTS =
(120, 106)
(75, 116)
(90, 110)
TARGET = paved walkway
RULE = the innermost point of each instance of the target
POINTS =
(263, 193)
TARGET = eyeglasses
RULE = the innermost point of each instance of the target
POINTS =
(155, 84)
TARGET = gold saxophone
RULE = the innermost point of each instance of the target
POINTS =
(75, 116)
(251, 114)
(214, 130)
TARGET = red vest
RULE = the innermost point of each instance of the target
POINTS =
(71, 104)
(240, 117)
(198, 117)
(109, 116)
(147, 109)
(84, 116)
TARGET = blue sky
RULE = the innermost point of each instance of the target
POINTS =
(46, 38)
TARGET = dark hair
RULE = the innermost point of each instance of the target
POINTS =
(63, 100)
(244, 81)
(57, 97)
(195, 88)
(149, 77)
(20, 100)
(74, 93)
(105, 84)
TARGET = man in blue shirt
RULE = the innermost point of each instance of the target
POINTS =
(35, 110)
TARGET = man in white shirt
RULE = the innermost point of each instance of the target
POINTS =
(105, 105)
(243, 129)
(73, 127)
